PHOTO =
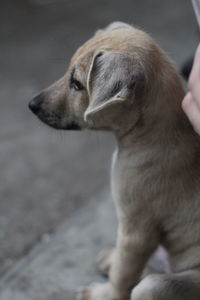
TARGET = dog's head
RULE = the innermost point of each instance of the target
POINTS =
(107, 84)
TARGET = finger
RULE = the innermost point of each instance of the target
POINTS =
(194, 78)
(195, 73)
(192, 111)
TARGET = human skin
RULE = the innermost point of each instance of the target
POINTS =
(191, 101)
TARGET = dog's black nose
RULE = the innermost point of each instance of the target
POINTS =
(34, 105)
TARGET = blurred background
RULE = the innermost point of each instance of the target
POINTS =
(47, 176)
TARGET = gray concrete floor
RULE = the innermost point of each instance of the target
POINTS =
(48, 176)
(65, 261)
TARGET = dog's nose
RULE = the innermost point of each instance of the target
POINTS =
(34, 105)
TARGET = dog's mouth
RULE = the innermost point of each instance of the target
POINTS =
(73, 126)
(52, 119)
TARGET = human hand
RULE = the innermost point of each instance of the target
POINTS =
(191, 101)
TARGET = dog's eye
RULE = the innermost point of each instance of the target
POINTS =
(75, 84)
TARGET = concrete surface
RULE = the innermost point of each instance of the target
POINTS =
(47, 176)
(65, 260)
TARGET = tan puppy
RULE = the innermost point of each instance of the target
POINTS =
(121, 80)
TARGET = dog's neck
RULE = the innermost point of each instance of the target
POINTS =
(157, 131)
(158, 119)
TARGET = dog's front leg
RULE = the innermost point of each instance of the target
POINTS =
(133, 249)
(131, 254)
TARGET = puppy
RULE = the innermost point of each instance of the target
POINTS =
(120, 80)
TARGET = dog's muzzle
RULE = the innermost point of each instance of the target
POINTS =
(51, 119)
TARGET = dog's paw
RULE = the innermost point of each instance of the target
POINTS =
(83, 294)
(104, 261)
(96, 291)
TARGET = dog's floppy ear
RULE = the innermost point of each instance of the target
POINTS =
(113, 78)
